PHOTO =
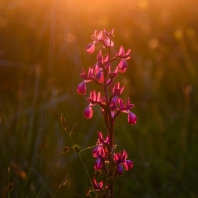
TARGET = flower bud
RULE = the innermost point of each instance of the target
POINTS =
(132, 118)
(88, 112)
(81, 88)
(98, 164)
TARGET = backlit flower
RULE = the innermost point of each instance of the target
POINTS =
(121, 162)
(101, 150)
(97, 185)
(102, 36)
(117, 90)
(122, 54)
(94, 97)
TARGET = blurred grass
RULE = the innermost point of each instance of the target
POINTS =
(42, 51)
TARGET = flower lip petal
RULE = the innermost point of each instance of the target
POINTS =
(120, 170)
(91, 47)
(128, 164)
(121, 162)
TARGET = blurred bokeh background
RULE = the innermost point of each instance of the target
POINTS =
(42, 51)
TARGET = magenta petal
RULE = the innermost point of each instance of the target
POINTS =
(106, 58)
(98, 151)
(114, 99)
(81, 88)
(90, 48)
(88, 112)
(120, 170)
(107, 140)
(90, 72)
(99, 97)
(100, 136)
(94, 152)
(128, 164)
(123, 66)
(100, 184)
(99, 57)
(109, 43)
(122, 89)
(100, 76)
(128, 52)
(121, 51)
(117, 157)
(97, 185)
(98, 164)
(100, 35)
(124, 155)
(132, 118)
(121, 103)
(102, 152)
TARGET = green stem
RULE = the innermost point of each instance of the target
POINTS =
(62, 184)
(87, 172)
(8, 181)
(110, 126)
(83, 162)
(87, 148)
(48, 175)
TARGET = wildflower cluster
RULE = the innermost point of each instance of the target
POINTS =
(111, 104)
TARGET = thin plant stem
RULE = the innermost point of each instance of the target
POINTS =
(63, 121)
(87, 172)
(48, 175)
(8, 181)
(62, 184)
(87, 148)
(111, 129)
